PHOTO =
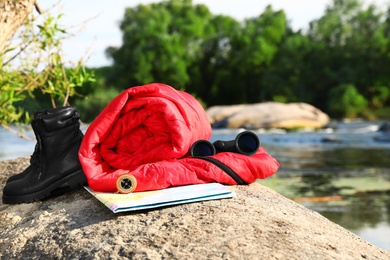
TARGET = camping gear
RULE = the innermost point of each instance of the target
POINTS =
(54, 165)
(141, 141)
(246, 142)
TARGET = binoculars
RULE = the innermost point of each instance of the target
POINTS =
(246, 143)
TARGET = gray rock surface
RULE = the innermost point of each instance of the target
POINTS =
(267, 115)
(257, 224)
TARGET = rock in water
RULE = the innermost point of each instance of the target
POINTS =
(267, 115)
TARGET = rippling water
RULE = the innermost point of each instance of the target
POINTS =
(343, 173)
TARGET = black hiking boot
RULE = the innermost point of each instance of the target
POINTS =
(54, 163)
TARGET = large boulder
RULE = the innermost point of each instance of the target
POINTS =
(257, 224)
(267, 115)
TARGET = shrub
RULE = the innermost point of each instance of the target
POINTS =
(345, 101)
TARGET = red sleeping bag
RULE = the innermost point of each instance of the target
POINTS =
(146, 132)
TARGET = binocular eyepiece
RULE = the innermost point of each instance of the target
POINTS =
(246, 143)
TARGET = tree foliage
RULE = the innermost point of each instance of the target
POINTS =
(223, 61)
(33, 73)
(340, 64)
(346, 101)
(160, 42)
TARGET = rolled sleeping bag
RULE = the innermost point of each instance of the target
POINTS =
(142, 138)
(143, 124)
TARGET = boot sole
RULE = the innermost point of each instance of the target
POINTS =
(68, 182)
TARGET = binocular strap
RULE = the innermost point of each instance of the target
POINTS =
(224, 168)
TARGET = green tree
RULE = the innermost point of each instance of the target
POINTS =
(331, 33)
(288, 76)
(223, 61)
(33, 73)
(160, 42)
(368, 48)
(334, 27)
(355, 50)
(211, 75)
(253, 49)
(346, 101)
(94, 96)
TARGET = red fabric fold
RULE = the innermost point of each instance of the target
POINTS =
(184, 171)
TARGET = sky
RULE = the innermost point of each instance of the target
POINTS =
(95, 24)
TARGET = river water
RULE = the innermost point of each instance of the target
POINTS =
(341, 172)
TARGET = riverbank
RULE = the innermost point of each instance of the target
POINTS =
(257, 224)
